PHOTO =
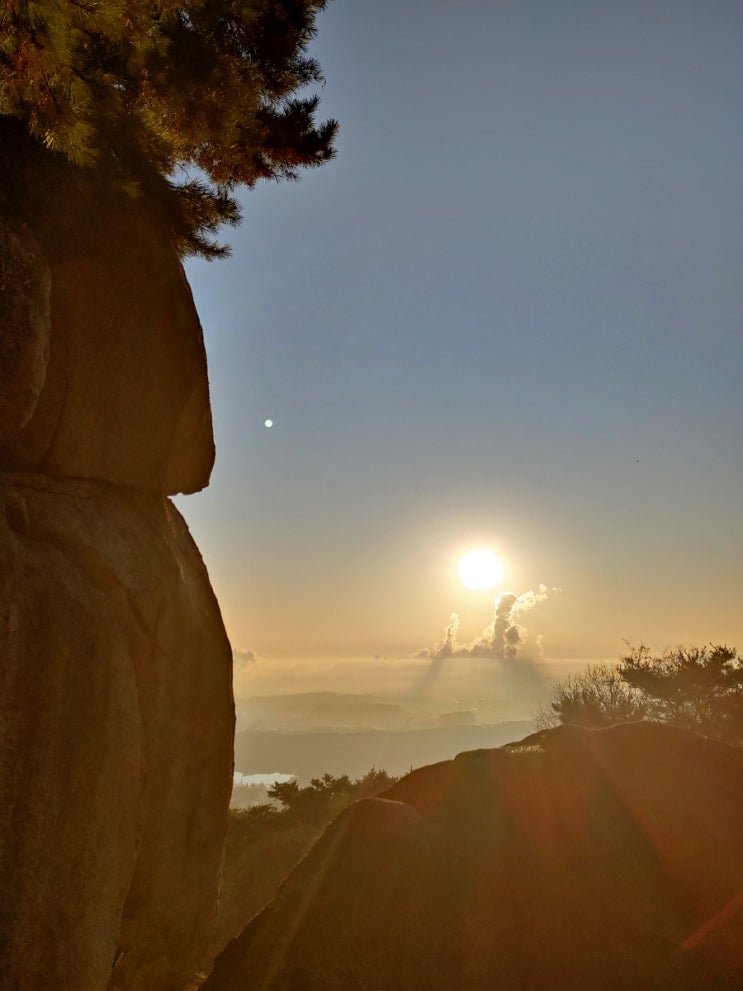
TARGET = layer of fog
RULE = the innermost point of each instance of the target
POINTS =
(245, 780)
(500, 674)
(423, 688)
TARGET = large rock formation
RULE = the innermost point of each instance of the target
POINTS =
(577, 859)
(24, 327)
(125, 395)
(116, 712)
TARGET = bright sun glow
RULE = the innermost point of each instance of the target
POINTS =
(480, 569)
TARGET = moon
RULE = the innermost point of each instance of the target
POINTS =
(481, 569)
(268, 424)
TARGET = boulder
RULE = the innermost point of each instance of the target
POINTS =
(24, 327)
(576, 859)
(116, 725)
(125, 398)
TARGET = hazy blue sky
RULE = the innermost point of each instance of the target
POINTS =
(511, 314)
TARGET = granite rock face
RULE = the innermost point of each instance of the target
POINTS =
(116, 709)
(577, 859)
(24, 327)
(116, 724)
(125, 395)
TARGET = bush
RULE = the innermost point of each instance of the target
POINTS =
(598, 696)
(696, 688)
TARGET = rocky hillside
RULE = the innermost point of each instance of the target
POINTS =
(578, 859)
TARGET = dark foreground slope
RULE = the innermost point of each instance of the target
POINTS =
(579, 859)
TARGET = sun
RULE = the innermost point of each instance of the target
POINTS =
(480, 569)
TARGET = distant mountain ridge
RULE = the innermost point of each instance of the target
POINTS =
(324, 710)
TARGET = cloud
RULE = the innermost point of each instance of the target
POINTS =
(242, 661)
(447, 648)
(503, 638)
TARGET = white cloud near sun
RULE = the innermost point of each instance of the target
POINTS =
(503, 638)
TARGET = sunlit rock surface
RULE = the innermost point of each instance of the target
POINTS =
(24, 327)
(578, 859)
(116, 724)
(125, 397)
(116, 710)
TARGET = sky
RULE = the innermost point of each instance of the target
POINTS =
(508, 315)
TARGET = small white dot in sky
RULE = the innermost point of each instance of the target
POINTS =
(268, 423)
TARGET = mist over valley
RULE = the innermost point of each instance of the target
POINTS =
(392, 713)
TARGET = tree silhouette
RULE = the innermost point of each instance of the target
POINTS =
(175, 101)
(697, 688)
